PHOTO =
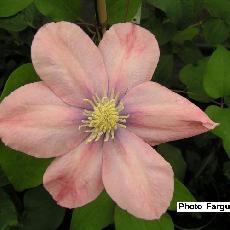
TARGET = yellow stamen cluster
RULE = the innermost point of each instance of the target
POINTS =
(104, 118)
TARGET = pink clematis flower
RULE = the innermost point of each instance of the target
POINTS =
(97, 112)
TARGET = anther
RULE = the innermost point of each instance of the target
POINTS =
(104, 117)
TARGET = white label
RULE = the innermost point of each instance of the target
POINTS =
(203, 206)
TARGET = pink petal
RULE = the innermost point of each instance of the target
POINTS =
(136, 177)
(131, 54)
(75, 179)
(159, 115)
(69, 62)
(34, 120)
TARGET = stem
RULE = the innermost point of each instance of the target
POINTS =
(102, 14)
(204, 164)
(222, 103)
(126, 10)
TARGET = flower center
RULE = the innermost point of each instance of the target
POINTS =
(104, 118)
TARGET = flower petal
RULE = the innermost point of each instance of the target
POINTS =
(75, 179)
(69, 62)
(34, 120)
(136, 177)
(159, 115)
(131, 54)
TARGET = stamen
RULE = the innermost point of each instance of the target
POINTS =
(112, 134)
(104, 118)
(95, 100)
(121, 125)
(89, 101)
(106, 136)
(98, 99)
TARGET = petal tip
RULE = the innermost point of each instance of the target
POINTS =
(210, 125)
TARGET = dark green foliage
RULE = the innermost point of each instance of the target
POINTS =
(125, 221)
(8, 214)
(174, 156)
(41, 211)
(94, 216)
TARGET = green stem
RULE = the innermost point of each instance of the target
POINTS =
(102, 14)
(126, 10)
(204, 164)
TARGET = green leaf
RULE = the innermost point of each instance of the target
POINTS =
(27, 17)
(221, 116)
(172, 8)
(192, 76)
(164, 32)
(181, 193)
(188, 53)
(15, 23)
(11, 7)
(190, 12)
(194, 159)
(121, 10)
(8, 214)
(58, 10)
(3, 179)
(41, 211)
(187, 34)
(95, 215)
(227, 100)
(220, 8)
(215, 31)
(174, 156)
(163, 74)
(24, 74)
(125, 221)
(204, 140)
(217, 77)
(22, 170)
(226, 169)
(32, 16)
